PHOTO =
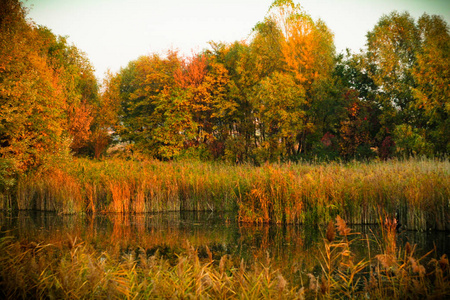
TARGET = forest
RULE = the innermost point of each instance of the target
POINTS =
(230, 173)
(283, 94)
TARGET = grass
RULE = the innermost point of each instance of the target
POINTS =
(416, 191)
(72, 268)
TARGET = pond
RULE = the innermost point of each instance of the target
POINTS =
(291, 247)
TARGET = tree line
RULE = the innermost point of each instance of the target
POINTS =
(282, 94)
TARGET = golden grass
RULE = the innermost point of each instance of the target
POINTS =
(72, 268)
(417, 191)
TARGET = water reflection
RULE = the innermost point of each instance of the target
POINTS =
(296, 245)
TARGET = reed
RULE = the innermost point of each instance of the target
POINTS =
(417, 191)
(394, 273)
(55, 191)
(73, 268)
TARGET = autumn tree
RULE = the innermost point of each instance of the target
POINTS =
(234, 110)
(432, 78)
(306, 52)
(355, 138)
(32, 102)
(47, 91)
(156, 109)
(283, 93)
(280, 106)
(408, 62)
(106, 123)
(358, 114)
(191, 78)
(78, 85)
(223, 107)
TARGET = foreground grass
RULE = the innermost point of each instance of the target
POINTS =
(416, 191)
(73, 269)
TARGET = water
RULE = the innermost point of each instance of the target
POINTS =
(292, 248)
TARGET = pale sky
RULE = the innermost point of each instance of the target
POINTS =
(114, 32)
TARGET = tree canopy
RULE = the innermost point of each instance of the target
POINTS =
(283, 94)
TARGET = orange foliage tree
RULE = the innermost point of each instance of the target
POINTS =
(47, 90)
(305, 51)
(32, 101)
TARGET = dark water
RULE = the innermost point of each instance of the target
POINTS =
(293, 247)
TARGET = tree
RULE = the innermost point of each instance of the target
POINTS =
(355, 130)
(47, 91)
(280, 101)
(156, 105)
(432, 76)
(236, 63)
(32, 104)
(192, 78)
(307, 50)
(106, 115)
(390, 58)
(266, 44)
(359, 126)
(408, 62)
(77, 83)
(410, 141)
(392, 48)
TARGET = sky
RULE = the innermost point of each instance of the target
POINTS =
(115, 32)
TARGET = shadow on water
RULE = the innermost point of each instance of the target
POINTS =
(215, 234)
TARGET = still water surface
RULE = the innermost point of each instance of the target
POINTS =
(295, 247)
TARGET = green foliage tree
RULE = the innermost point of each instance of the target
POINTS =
(150, 117)
(410, 141)
(408, 63)
(391, 52)
(235, 105)
(358, 114)
(280, 113)
(432, 77)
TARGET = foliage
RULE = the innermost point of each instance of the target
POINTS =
(276, 96)
(407, 61)
(410, 141)
(31, 103)
(431, 73)
(225, 101)
(7, 181)
(47, 90)
(281, 95)
(279, 101)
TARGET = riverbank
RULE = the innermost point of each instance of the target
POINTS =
(415, 192)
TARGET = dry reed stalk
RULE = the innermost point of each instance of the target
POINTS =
(139, 199)
(121, 196)
(91, 195)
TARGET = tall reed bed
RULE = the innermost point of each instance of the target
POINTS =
(416, 192)
(123, 186)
